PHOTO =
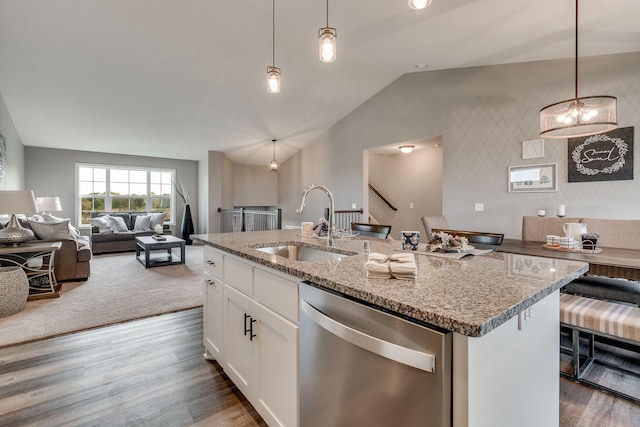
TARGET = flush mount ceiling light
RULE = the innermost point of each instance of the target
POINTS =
(273, 72)
(579, 116)
(327, 41)
(419, 4)
(406, 148)
(274, 163)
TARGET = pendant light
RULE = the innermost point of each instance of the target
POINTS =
(579, 116)
(419, 4)
(273, 72)
(327, 41)
(274, 163)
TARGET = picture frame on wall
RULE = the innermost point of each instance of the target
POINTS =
(533, 178)
(533, 149)
(603, 157)
(3, 162)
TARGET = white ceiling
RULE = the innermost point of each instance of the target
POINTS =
(176, 78)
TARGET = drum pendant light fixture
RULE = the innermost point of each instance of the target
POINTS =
(274, 163)
(273, 72)
(576, 117)
(327, 41)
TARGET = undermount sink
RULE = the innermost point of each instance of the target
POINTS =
(300, 252)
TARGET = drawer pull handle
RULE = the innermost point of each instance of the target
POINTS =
(212, 263)
(210, 282)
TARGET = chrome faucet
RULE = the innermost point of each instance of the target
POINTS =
(331, 219)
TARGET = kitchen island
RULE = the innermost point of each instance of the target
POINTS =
(503, 310)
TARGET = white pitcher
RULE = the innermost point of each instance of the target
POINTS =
(573, 230)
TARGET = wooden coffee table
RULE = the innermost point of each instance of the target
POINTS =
(148, 244)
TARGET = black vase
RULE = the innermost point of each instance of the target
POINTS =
(187, 225)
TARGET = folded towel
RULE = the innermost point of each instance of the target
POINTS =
(403, 257)
(403, 268)
(378, 257)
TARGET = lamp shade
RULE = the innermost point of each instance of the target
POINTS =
(48, 204)
(17, 202)
(579, 117)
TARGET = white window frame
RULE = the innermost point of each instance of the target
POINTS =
(108, 198)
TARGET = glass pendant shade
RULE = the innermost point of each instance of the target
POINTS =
(327, 44)
(579, 117)
(274, 166)
(273, 79)
(419, 4)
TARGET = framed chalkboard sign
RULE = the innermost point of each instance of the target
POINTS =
(603, 157)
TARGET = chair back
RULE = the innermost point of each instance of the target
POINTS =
(376, 231)
(431, 222)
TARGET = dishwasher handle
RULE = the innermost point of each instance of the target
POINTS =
(407, 356)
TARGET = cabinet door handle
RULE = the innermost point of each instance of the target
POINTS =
(251, 334)
(209, 282)
(212, 263)
(246, 329)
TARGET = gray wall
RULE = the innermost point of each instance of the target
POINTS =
(14, 172)
(483, 115)
(254, 185)
(51, 172)
(405, 179)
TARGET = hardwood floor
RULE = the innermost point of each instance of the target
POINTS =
(148, 372)
(151, 372)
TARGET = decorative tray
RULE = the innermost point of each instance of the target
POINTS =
(578, 251)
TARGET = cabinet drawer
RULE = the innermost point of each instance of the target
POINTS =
(238, 274)
(277, 293)
(213, 262)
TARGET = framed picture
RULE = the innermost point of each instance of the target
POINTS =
(533, 178)
(603, 157)
(3, 161)
(533, 149)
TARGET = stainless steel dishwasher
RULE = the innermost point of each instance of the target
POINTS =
(363, 367)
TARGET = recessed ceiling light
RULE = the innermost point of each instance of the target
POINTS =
(421, 65)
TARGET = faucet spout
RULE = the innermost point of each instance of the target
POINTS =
(331, 219)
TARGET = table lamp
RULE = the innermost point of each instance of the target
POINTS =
(16, 202)
(48, 204)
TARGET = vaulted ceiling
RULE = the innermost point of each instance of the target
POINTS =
(177, 78)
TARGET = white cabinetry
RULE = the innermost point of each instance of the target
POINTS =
(213, 304)
(251, 328)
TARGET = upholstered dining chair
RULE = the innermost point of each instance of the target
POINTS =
(431, 222)
(377, 231)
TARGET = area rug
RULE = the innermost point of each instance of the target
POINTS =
(119, 289)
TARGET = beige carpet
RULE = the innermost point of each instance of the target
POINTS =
(119, 289)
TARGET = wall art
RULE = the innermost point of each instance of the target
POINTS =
(533, 149)
(603, 157)
(533, 178)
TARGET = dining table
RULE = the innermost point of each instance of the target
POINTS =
(610, 262)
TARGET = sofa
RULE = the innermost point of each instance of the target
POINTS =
(73, 261)
(113, 232)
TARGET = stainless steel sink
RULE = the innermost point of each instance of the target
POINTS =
(300, 252)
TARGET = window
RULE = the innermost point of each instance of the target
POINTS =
(116, 188)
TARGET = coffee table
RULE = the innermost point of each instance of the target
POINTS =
(148, 244)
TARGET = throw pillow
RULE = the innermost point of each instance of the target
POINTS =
(117, 224)
(36, 217)
(157, 219)
(51, 230)
(50, 218)
(143, 223)
(102, 222)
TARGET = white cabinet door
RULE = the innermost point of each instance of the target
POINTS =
(277, 369)
(213, 319)
(240, 322)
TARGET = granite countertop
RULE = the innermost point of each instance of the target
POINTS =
(470, 296)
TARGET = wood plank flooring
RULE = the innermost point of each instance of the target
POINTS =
(151, 372)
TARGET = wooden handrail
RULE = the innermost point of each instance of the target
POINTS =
(388, 203)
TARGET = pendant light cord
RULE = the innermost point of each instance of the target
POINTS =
(327, 13)
(576, 64)
(273, 32)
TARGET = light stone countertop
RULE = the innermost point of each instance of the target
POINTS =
(470, 296)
